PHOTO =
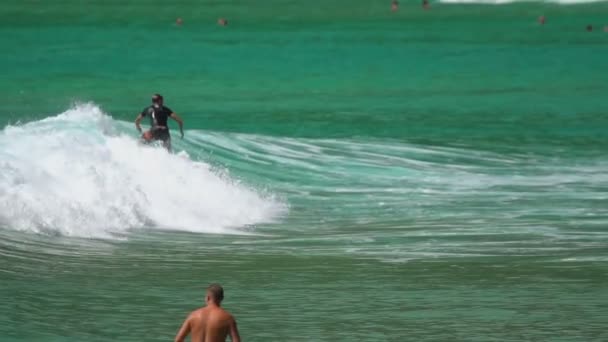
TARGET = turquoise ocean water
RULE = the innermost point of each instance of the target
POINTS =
(348, 173)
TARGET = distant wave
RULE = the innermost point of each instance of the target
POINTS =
(504, 2)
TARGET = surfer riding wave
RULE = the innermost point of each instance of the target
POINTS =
(159, 129)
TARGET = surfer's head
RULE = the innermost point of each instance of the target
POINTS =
(215, 294)
(157, 99)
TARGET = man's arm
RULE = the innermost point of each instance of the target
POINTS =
(179, 121)
(138, 122)
(234, 332)
(184, 330)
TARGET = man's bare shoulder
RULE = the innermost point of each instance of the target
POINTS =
(198, 313)
(229, 316)
(221, 314)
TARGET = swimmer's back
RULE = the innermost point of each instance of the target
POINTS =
(210, 324)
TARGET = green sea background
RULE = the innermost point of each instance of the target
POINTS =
(348, 173)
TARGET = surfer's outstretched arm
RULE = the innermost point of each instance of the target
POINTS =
(180, 122)
(138, 122)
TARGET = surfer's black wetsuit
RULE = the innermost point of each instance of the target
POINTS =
(158, 121)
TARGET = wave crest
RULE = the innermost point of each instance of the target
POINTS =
(75, 174)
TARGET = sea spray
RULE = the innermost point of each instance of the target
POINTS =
(75, 174)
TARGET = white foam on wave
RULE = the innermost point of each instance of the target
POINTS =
(504, 2)
(74, 174)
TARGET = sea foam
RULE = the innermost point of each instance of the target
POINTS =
(75, 174)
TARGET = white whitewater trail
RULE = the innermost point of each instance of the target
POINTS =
(504, 2)
(74, 174)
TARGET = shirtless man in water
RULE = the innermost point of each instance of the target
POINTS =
(210, 323)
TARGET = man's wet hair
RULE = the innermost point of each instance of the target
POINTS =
(216, 292)
(157, 98)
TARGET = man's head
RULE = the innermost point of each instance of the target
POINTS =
(157, 99)
(215, 294)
